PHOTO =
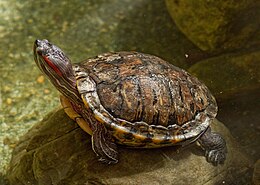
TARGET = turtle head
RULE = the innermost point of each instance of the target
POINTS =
(53, 62)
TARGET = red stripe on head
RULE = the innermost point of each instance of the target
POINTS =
(54, 67)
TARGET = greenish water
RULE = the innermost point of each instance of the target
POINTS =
(84, 29)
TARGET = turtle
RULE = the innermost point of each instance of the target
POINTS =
(133, 99)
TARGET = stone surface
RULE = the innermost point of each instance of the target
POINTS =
(57, 151)
(229, 72)
(217, 25)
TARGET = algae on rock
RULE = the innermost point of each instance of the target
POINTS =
(217, 25)
(229, 72)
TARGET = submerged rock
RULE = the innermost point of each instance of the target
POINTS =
(217, 25)
(57, 151)
(229, 72)
(245, 128)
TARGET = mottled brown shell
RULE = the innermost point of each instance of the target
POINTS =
(143, 99)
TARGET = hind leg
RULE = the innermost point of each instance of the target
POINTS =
(214, 146)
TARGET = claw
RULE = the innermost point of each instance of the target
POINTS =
(106, 161)
(215, 156)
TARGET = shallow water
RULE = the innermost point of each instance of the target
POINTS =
(87, 28)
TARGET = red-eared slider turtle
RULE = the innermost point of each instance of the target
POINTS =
(133, 99)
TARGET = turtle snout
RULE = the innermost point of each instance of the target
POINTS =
(43, 47)
(40, 43)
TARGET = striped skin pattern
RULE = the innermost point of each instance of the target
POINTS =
(143, 100)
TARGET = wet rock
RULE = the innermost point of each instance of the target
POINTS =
(217, 25)
(57, 151)
(229, 72)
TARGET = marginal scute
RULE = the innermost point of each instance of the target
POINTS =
(143, 100)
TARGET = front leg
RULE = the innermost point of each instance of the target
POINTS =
(102, 144)
(214, 146)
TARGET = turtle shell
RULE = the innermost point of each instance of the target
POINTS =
(143, 100)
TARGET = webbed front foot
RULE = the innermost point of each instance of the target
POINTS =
(103, 145)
